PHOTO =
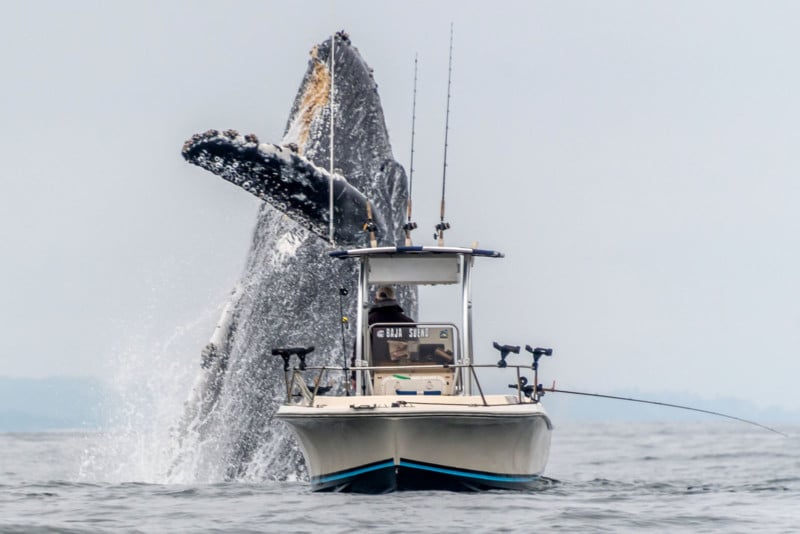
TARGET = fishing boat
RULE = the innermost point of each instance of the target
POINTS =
(417, 416)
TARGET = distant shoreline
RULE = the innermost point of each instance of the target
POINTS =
(84, 404)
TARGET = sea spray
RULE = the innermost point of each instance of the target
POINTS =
(148, 384)
(288, 295)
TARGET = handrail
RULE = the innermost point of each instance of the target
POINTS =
(310, 397)
(430, 366)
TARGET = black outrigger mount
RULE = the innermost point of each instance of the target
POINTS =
(287, 353)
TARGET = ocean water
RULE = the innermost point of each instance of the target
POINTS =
(618, 477)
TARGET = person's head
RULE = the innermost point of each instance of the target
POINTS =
(384, 293)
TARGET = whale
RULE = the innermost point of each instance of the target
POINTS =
(291, 292)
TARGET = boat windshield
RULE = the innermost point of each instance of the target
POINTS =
(402, 344)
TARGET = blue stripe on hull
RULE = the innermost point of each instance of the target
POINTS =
(487, 477)
(385, 476)
(375, 478)
(324, 479)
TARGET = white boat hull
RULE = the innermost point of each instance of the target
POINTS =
(376, 444)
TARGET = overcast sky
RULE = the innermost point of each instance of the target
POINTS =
(636, 161)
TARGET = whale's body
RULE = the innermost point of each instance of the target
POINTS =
(289, 292)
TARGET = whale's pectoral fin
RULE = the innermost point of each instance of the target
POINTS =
(287, 181)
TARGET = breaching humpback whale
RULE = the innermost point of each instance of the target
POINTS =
(289, 292)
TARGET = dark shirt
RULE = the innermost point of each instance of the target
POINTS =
(384, 311)
(387, 311)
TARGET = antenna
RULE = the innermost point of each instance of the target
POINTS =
(411, 225)
(442, 226)
(330, 179)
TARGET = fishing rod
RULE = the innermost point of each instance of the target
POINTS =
(657, 403)
(345, 322)
(409, 224)
(442, 226)
(330, 180)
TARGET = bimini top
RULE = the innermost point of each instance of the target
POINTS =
(415, 265)
(415, 250)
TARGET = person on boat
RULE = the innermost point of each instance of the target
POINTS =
(384, 310)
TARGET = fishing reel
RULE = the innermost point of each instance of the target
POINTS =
(440, 228)
(370, 226)
(371, 229)
(407, 228)
(532, 392)
(527, 390)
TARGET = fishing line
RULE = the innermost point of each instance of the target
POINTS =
(344, 322)
(631, 399)
(330, 179)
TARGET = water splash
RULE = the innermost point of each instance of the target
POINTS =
(147, 393)
(288, 296)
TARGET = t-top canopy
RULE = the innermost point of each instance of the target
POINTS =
(414, 265)
(415, 250)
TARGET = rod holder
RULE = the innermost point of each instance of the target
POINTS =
(537, 353)
(505, 350)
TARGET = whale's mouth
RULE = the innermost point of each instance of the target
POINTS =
(316, 93)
